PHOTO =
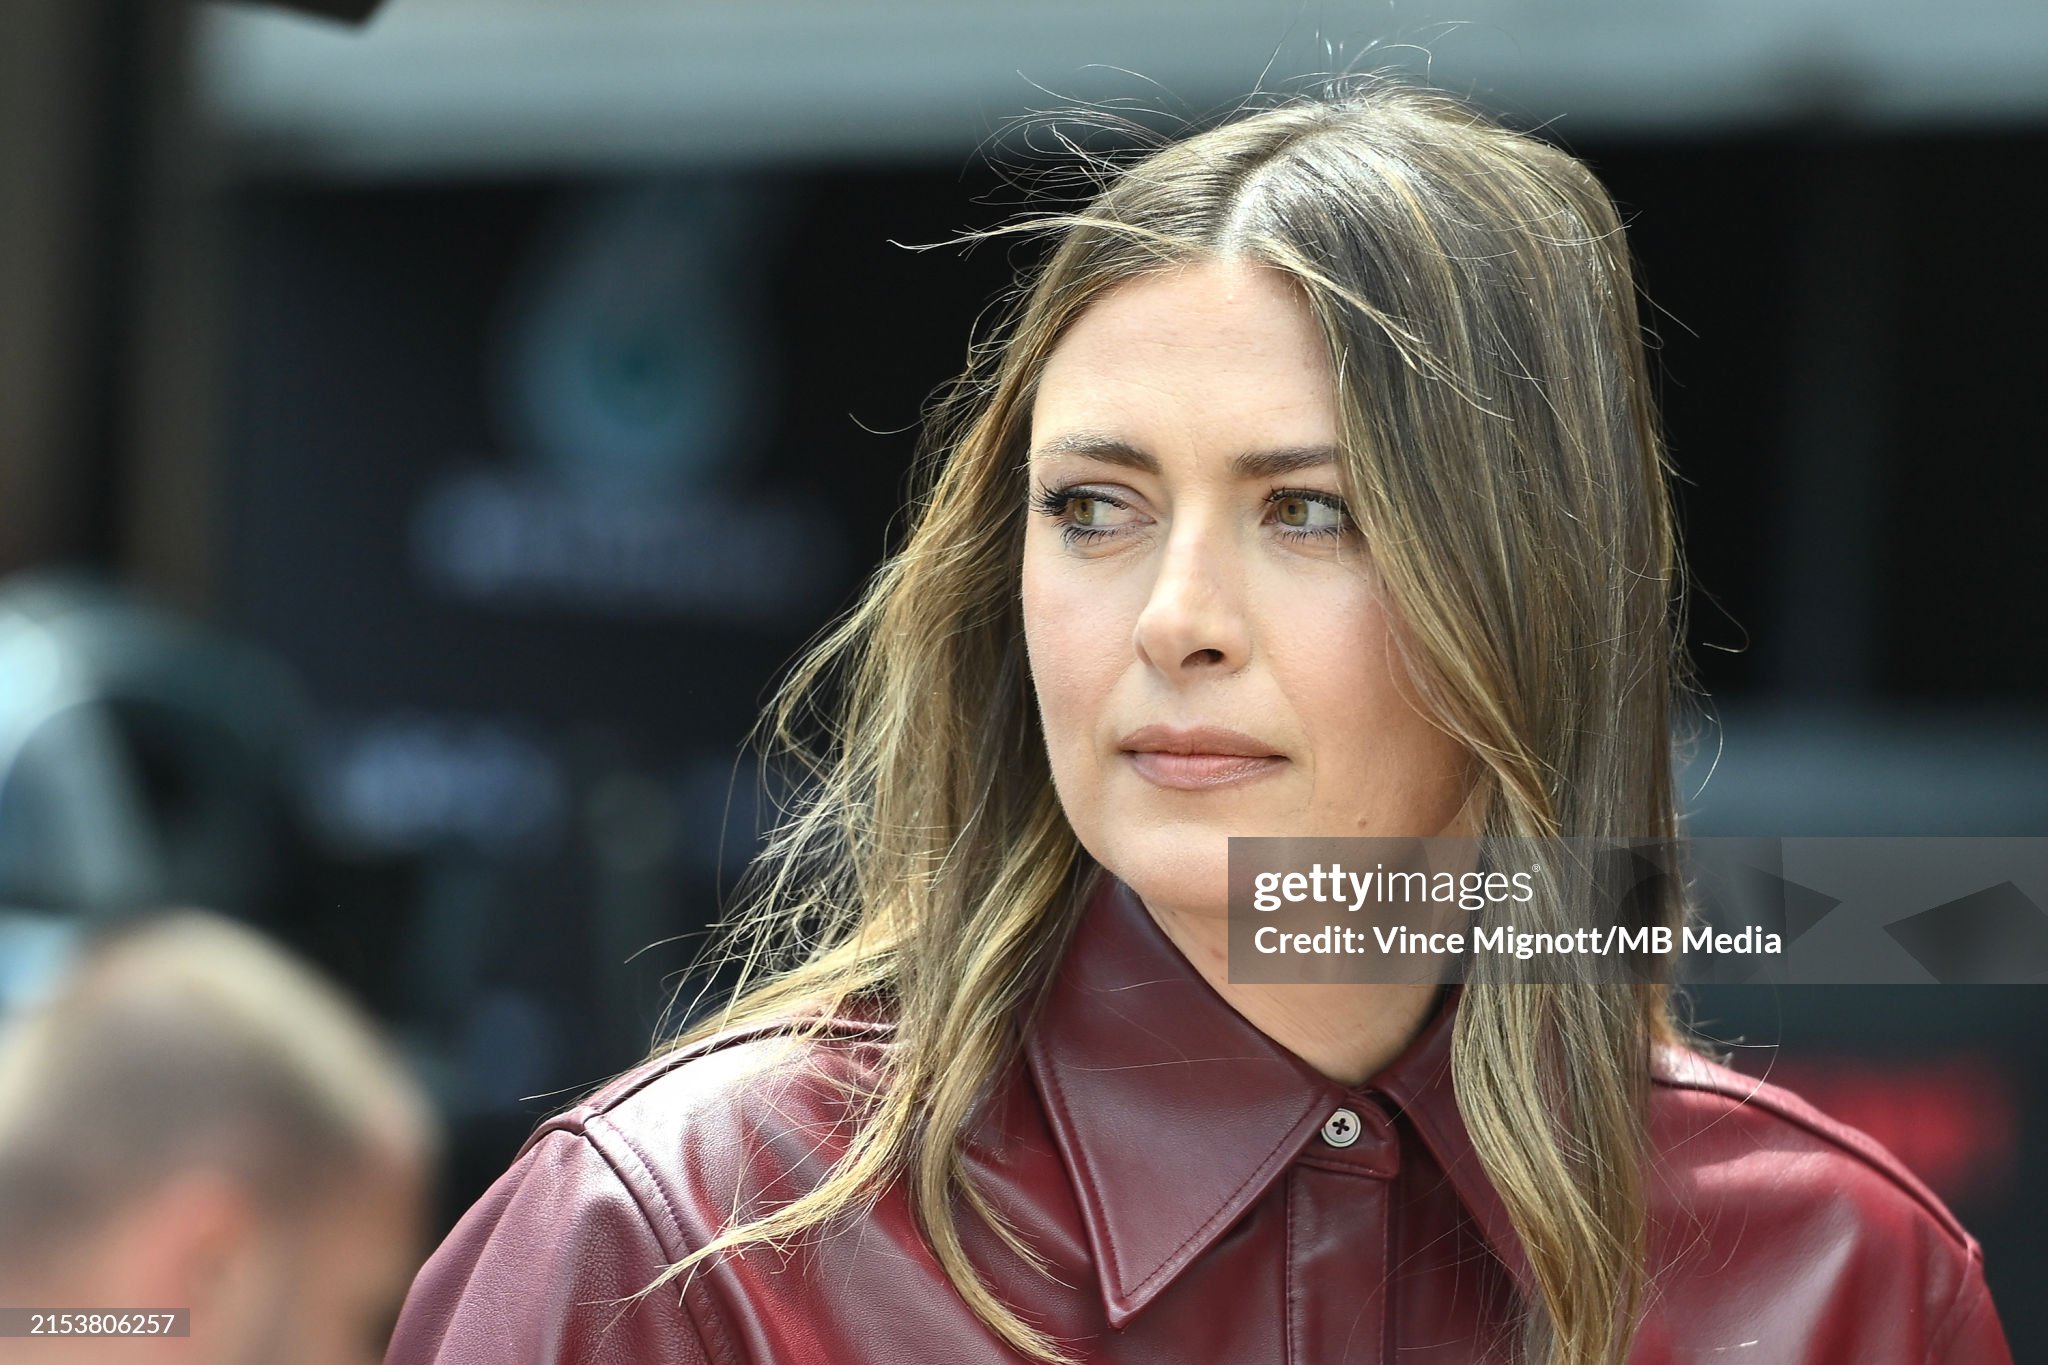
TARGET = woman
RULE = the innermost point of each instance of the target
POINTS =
(1315, 489)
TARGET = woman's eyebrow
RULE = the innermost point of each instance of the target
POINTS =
(1252, 464)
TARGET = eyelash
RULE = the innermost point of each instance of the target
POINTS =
(1053, 502)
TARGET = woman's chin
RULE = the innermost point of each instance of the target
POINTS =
(1185, 876)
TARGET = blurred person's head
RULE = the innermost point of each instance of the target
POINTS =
(196, 1120)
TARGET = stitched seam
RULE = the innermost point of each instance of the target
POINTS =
(1059, 1100)
(1287, 1281)
(1166, 1267)
(1213, 1219)
(1951, 1317)
(1324, 1163)
(1387, 1263)
(838, 1030)
(644, 1169)
(574, 1118)
(710, 1326)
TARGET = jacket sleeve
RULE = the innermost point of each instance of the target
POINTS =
(1970, 1334)
(535, 1272)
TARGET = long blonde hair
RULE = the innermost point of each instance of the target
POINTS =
(1499, 430)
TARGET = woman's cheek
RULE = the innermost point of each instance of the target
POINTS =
(1070, 697)
(1064, 650)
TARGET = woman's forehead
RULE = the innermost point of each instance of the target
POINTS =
(1221, 357)
(1228, 301)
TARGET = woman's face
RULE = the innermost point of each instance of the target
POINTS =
(1189, 566)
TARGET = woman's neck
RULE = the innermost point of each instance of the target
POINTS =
(1348, 1031)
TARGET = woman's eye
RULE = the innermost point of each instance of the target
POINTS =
(1078, 514)
(1308, 513)
(1302, 512)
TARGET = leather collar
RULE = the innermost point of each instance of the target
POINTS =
(1174, 1114)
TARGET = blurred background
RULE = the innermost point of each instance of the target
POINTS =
(423, 441)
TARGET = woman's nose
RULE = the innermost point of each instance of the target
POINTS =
(1194, 615)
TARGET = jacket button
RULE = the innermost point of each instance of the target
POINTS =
(1342, 1128)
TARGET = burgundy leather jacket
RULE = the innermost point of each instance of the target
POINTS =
(1202, 1195)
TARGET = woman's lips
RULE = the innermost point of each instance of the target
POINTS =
(1187, 772)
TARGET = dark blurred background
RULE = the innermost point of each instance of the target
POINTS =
(423, 442)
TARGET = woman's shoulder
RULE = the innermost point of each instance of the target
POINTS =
(1750, 1179)
(745, 1063)
(603, 1198)
(773, 1093)
(1712, 1122)
(1754, 1169)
